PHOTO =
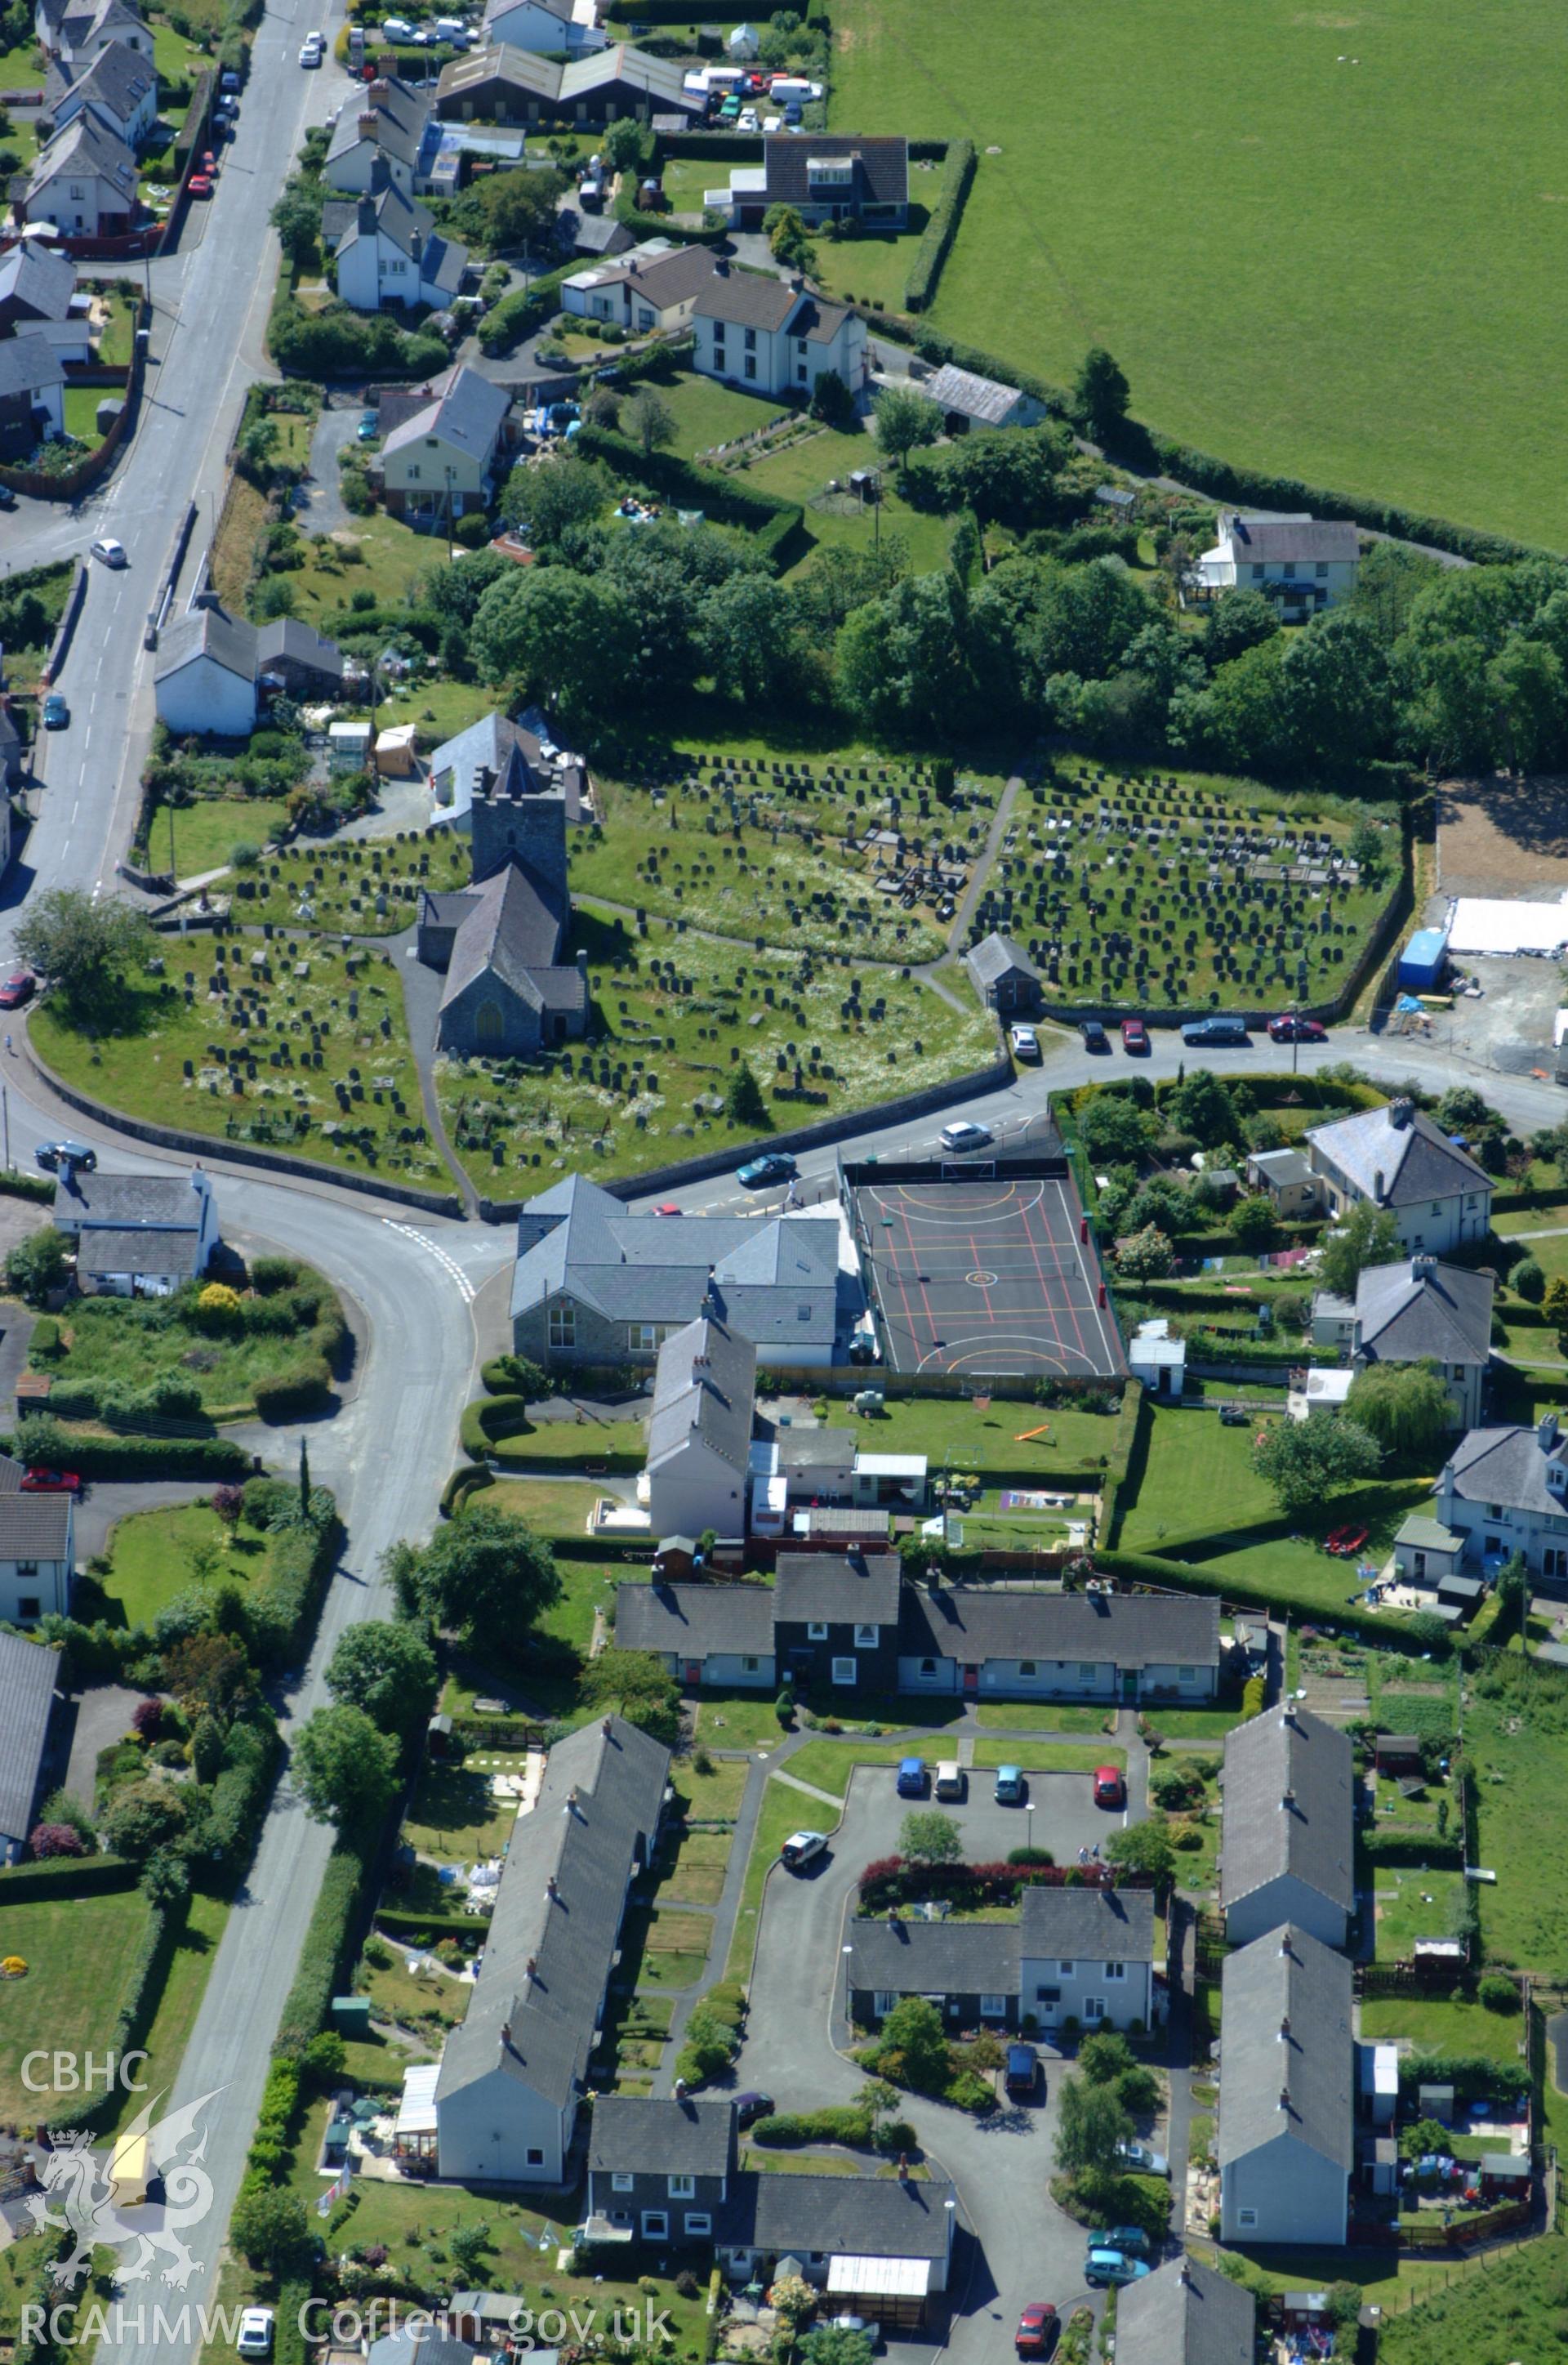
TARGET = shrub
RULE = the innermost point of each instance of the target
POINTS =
(936, 240)
(293, 1395)
(1498, 1993)
(1527, 1280)
(471, 531)
(969, 2092)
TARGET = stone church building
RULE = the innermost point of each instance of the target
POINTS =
(507, 993)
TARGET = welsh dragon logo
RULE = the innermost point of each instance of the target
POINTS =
(84, 2183)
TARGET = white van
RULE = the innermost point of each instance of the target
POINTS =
(951, 1783)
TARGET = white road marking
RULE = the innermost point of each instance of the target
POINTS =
(73, 809)
(465, 1287)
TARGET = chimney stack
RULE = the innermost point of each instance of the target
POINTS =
(1377, 1188)
(551, 1891)
(368, 127)
(1287, 1951)
(505, 2032)
(572, 1800)
(366, 217)
(1284, 2098)
(1288, 1801)
(607, 1726)
(1284, 2026)
(531, 1968)
(1546, 1432)
(380, 91)
(1401, 1115)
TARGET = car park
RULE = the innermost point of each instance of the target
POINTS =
(54, 712)
(1110, 1789)
(801, 1847)
(950, 1781)
(1010, 1787)
(17, 989)
(1103, 2268)
(53, 1154)
(37, 1481)
(1135, 1034)
(1094, 1035)
(1022, 2075)
(773, 1166)
(1288, 1027)
(1143, 2160)
(109, 552)
(255, 2338)
(1025, 1043)
(910, 1779)
(1037, 2329)
(752, 2105)
(964, 1136)
(1205, 1031)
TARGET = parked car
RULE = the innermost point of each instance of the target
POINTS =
(910, 1779)
(110, 552)
(1130, 2238)
(1287, 1027)
(950, 1782)
(17, 989)
(752, 2105)
(396, 29)
(1025, 1043)
(1345, 1543)
(773, 1166)
(200, 185)
(1205, 1031)
(1103, 2267)
(668, 1208)
(255, 2332)
(51, 1481)
(55, 713)
(368, 428)
(1135, 1034)
(1010, 1787)
(965, 1136)
(53, 1154)
(801, 1847)
(1143, 2160)
(1109, 1790)
(1094, 1035)
(1038, 2329)
(1022, 2076)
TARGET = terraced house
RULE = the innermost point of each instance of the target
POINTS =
(1287, 1837)
(1083, 1954)
(1287, 2134)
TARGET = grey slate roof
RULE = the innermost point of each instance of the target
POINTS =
(662, 279)
(28, 362)
(704, 1389)
(401, 220)
(1125, 1630)
(287, 637)
(209, 632)
(749, 300)
(1286, 1975)
(119, 79)
(468, 417)
(815, 1448)
(662, 80)
(842, 1588)
(853, 2216)
(1276, 540)
(125, 1200)
(1414, 1158)
(598, 233)
(27, 1673)
(511, 927)
(1288, 1750)
(694, 1620)
(498, 745)
(1112, 1925)
(636, 2136)
(1510, 1466)
(590, 1848)
(141, 1249)
(1406, 1311)
(33, 1527)
(1186, 2314)
(37, 280)
(87, 149)
(1281, 1166)
(995, 957)
(935, 1957)
(987, 399)
(880, 167)
(401, 115)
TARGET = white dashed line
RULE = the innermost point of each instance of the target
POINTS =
(465, 1287)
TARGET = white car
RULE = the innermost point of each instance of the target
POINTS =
(965, 1136)
(801, 1847)
(396, 29)
(110, 552)
(1025, 1043)
(255, 2332)
(310, 50)
(773, 123)
(748, 121)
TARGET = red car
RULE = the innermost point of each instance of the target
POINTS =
(200, 185)
(1135, 1034)
(1343, 1542)
(669, 1208)
(51, 1481)
(17, 989)
(1109, 1790)
(1037, 2333)
(1288, 1028)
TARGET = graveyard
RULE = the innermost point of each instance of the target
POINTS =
(357, 888)
(1177, 890)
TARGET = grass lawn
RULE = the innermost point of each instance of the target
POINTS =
(1412, 1905)
(552, 1507)
(570, 1444)
(390, 555)
(133, 1342)
(783, 1811)
(950, 1431)
(1382, 2283)
(1121, 224)
(77, 1950)
(708, 414)
(1434, 2025)
(1179, 1724)
(687, 179)
(649, 1086)
(177, 59)
(115, 343)
(441, 708)
(1042, 1715)
(1518, 1736)
(696, 1874)
(22, 68)
(150, 1560)
(455, 1812)
(873, 270)
(664, 1948)
(169, 1059)
(1047, 1756)
(81, 407)
(427, 2001)
(738, 1720)
(207, 832)
(828, 1765)
(712, 1798)
(802, 472)
(180, 1999)
(1482, 2317)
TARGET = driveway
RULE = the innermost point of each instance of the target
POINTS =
(318, 504)
(1014, 2245)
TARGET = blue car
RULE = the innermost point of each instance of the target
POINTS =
(1009, 1786)
(911, 1777)
(773, 1166)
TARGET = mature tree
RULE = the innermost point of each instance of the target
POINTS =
(271, 2230)
(519, 206)
(36, 1265)
(559, 636)
(387, 1670)
(1090, 2123)
(912, 2031)
(906, 423)
(1367, 846)
(1202, 1106)
(296, 217)
(1113, 1129)
(833, 402)
(648, 420)
(548, 496)
(1526, 679)
(166, 1879)
(143, 1816)
(930, 1837)
(903, 660)
(749, 631)
(843, 578)
(1405, 1407)
(344, 1769)
(744, 1103)
(1143, 1847)
(636, 1685)
(207, 1674)
(625, 143)
(1237, 623)
(485, 1576)
(1254, 1225)
(1388, 582)
(1100, 395)
(1364, 1236)
(1144, 1255)
(1013, 477)
(1336, 682)
(1102, 2056)
(1309, 1462)
(258, 448)
(83, 947)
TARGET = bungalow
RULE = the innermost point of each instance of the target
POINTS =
(549, 27)
(512, 2076)
(387, 122)
(714, 1634)
(1504, 1491)
(1186, 2314)
(1004, 975)
(33, 385)
(29, 1672)
(1286, 2135)
(213, 668)
(1085, 1953)
(989, 1643)
(1303, 564)
(1287, 1827)
(773, 335)
(825, 176)
(84, 181)
(441, 463)
(879, 2247)
(835, 1620)
(1395, 1157)
(649, 292)
(391, 252)
(969, 1971)
(700, 1429)
(969, 403)
(137, 1235)
(119, 85)
(38, 1551)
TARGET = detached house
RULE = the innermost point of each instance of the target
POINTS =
(773, 335)
(825, 176)
(1288, 1823)
(1419, 1311)
(1286, 2135)
(391, 252)
(1301, 562)
(83, 180)
(388, 122)
(214, 669)
(549, 27)
(1396, 1158)
(511, 2077)
(700, 1430)
(137, 1235)
(1502, 1491)
(441, 463)
(68, 30)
